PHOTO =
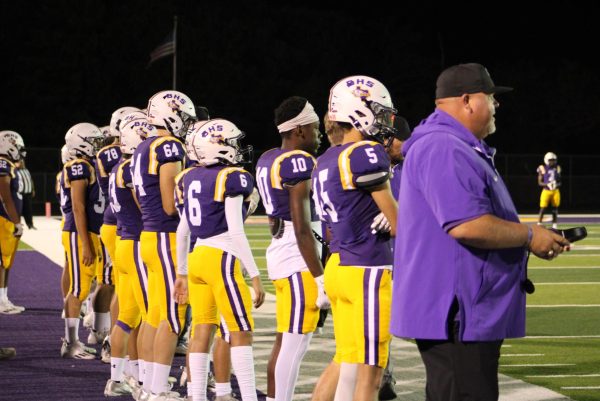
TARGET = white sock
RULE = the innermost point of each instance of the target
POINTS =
(101, 322)
(270, 399)
(72, 329)
(293, 348)
(117, 365)
(189, 386)
(199, 364)
(160, 378)
(223, 388)
(3, 294)
(133, 369)
(148, 376)
(142, 377)
(242, 362)
(346, 382)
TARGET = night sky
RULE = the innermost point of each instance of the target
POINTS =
(65, 62)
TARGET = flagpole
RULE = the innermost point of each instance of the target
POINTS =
(175, 52)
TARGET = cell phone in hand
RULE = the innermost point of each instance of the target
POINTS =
(572, 234)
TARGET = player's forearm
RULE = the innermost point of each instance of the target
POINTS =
(81, 225)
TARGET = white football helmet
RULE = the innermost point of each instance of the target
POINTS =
(117, 116)
(11, 145)
(191, 153)
(84, 139)
(365, 103)
(65, 155)
(218, 141)
(105, 131)
(172, 110)
(135, 115)
(549, 156)
(133, 132)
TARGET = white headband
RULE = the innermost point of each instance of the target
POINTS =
(306, 116)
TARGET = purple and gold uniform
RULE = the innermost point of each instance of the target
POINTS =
(8, 242)
(106, 159)
(216, 284)
(296, 290)
(80, 275)
(362, 303)
(158, 236)
(133, 274)
(551, 177)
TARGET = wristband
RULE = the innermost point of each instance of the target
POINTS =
(529, 236)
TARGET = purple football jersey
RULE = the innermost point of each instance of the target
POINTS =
(64, 199)
(348, 209)
(204, 191)
(276, 169)
(129, 217)
(7, 168)
(145, 166)
(549, 174)
(395, 175)
(106, 159)
(80, 169)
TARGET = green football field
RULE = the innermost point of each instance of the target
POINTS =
(562, 347)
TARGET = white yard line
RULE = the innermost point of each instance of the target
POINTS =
(563, 337)
(523, 365)
(566, 306)
(559, 376)
(519, 355)
(571, 283)
(561, 267)
(581, 388)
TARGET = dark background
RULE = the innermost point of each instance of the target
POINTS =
(65, 62)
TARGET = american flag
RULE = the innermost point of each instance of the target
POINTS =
(166, 48)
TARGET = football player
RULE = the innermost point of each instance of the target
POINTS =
(11, 229)
(81, 231)
(106, 158)
(549, 178)
(213, 196)
(131, 273)
(350, 188)
(154, 165)
(293, 257)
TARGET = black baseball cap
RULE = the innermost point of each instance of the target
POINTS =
(466, 78)
(401, 128)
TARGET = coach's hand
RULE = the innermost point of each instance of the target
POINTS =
(547, 244)
(259, 292)
(180, 290)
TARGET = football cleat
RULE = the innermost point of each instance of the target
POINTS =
(114, 388)
(167, 396)
(22, 308)
(387, 389)
(74, 351)
(96, 337)
(8, 309)
(105, 351)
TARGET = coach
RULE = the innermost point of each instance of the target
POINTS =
(461, 252)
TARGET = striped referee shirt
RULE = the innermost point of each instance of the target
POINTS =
(25, 177)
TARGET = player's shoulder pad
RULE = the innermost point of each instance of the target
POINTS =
(7, 167)
(291, 167)
(79, 169)
(363, 164)
(233, 181)
(165, 149)
(123, 173)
